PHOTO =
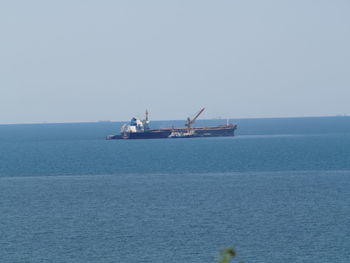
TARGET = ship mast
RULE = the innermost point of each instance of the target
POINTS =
(145, 122)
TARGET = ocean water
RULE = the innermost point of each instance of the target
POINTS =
(279, 191)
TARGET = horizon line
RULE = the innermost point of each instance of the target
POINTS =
(216, 118)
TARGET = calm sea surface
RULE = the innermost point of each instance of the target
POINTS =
(279, 191)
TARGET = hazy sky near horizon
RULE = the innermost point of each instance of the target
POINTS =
(72, 61)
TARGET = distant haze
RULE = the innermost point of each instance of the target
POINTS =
(72, 61)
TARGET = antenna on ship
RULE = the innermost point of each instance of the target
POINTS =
(146, 115)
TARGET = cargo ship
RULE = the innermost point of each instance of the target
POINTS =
(139, 129)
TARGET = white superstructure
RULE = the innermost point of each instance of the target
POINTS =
(136, 125)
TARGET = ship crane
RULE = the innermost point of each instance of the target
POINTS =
(189, 122)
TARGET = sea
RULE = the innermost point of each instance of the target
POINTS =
(278, 191)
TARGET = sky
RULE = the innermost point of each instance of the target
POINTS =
(81, 60)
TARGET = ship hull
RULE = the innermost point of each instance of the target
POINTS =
(197, 132)
(217, 131)
(151, 134)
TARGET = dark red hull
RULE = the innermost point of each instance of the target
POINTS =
(217, 131)
(151, 134)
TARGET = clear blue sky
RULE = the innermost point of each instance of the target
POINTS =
(67, 61)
